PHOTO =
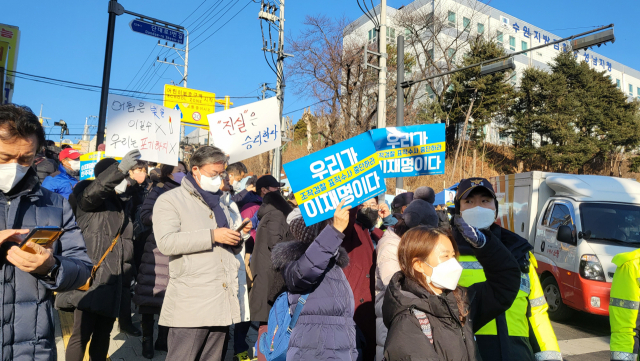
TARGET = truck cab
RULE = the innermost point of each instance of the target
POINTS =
(576, 224)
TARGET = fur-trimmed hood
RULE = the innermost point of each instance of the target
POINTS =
(273, 201)
(286, 252)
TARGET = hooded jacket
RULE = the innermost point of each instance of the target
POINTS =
(27, 299)
(273, 229)
(325, 328)
(60, 182)
(451, 340)
(101, 216)
(153, 275)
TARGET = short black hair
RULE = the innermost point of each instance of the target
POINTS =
(65, 146)
(207, 155)
(19, 121)
(167, 169)
(141, 164)
(237, 168)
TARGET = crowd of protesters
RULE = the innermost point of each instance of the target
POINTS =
(206, 246)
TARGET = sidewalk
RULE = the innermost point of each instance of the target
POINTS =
(124, 347)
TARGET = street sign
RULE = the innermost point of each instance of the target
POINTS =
(157, 31)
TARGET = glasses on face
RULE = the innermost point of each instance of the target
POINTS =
(215, 174)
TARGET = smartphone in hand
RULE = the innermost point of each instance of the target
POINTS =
(244, 224)
(44, 236)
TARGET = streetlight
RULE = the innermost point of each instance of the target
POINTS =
(63, 129)
(504, 65)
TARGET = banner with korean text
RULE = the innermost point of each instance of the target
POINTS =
(410, 151)
(247, 130)
(348, 170)
(148, 127)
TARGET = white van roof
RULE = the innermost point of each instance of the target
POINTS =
(592, 188)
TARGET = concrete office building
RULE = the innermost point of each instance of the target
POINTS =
(473, 18)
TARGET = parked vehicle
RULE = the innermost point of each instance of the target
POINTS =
(577, 224)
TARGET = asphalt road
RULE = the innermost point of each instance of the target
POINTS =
(584, 337)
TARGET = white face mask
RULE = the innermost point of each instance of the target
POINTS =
(210, 184)
(75, 165)
(10, 175)
(122, 187)
(479, 217)
(445, 275)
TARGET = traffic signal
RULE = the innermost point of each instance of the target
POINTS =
(593, 39)
(502, 65)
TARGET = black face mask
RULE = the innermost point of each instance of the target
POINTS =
(368, 217)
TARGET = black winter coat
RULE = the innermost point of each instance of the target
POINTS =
(451, 341)
(153, 275)
(273, 229)
(101, 214)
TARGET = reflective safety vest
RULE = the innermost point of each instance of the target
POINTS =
(524, 331)
(623, 307)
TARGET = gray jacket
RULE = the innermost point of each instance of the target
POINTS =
(203, 284)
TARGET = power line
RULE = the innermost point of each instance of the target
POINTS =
(203, 14)
(209, 15)
(89, 87)
(233, 17)
(185, 19)
(305, 107)
(214, 22)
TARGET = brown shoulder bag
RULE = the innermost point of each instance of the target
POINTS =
(94, 270)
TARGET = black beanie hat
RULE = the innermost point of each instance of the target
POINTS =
(103, 165)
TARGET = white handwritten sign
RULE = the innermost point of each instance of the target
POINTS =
(148, 127)
(247, 130)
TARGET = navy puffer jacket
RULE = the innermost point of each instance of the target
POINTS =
(153, 275)
(325, 329)
(27, 299)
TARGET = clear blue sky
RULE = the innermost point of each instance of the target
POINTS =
(66, 40)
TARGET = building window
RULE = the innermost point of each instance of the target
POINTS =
(430, 94)
(514, 78)
(630, 90)
(638, 90)
(373, 35)
(525, 46)
(512, 43)
(451, 52)
(430, 53)
(499, 37)
(618, 83)
(391, 35)
(480, 28)
(452, 18)
(466, 23)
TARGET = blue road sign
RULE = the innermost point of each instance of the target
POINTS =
(157, 31)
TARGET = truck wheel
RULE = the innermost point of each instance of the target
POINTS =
(558, 311)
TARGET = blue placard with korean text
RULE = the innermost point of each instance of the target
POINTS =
(410, 151)
(348, 170)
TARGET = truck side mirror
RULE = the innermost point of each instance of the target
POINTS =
(565, 235)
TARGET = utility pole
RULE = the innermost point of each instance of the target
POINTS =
(185, 66)
(400, 94)
(85, 135)
(382, 76)
(265, 89)
(276, 164)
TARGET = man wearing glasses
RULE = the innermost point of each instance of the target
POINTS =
(195, 225)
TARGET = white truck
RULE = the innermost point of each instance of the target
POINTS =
(576, 224)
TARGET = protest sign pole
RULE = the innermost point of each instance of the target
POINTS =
(400, 95)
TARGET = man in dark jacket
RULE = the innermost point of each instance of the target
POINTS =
(273, 229)
(523, 332)
(31, 276)
(107, 228)
(66, 177)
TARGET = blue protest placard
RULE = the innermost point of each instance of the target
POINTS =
(410, 151)
(348, 170)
